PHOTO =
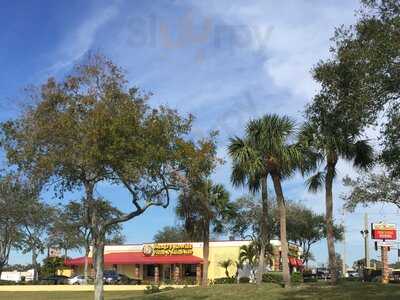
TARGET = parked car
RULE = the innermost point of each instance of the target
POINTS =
(323, 273)
(55, 279)
(353, 274)
(112, 277)
(78, 280)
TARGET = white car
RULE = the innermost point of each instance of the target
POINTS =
(77, 280)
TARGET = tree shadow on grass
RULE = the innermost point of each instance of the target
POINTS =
(344, 291)
(168, 297)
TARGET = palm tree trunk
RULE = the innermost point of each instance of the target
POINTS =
(206, 253)
(329, 221)
(282, 219)
(264, 230)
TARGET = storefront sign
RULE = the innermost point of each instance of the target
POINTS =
(381, 231)
(148, 250)
(173, 249)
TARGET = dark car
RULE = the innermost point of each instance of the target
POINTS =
(323, 273)
(112, 277)
(55, 279)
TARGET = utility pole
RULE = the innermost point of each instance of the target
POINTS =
(365, 234)
(366, 240)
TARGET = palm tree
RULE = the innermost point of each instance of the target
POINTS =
(325, 148)
(246, 174)
(204, 208)
(266, 150)
(249, 254)
(226, 264)
(239, 266)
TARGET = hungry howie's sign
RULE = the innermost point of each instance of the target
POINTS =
(381, 231)
(172, 249)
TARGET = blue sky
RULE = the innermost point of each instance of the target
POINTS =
(224, 61)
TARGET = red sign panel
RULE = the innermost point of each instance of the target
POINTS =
(382, 231)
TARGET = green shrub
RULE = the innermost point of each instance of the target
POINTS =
(349, 279)
(274, 277)
(376, 279)
(7, 282)
(244, 280)
(188, 281)
(309, 276)
(224, 280)
(371, 275)
(277, 277)
(168, 282)
(296, 277)
(152, 289)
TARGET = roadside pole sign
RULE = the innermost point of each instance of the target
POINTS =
(382, 231)
(387, 244)
(387, 234)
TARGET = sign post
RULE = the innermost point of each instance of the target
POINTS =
(381, 231)
(385, 270)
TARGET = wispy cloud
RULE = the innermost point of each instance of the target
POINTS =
(300, 35)
(81, 39)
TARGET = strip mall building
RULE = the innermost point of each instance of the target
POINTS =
(179, 262)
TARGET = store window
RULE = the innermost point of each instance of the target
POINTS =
(190, 270)
(150, 270)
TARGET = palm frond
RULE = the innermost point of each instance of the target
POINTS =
(363, 155)
(225, 263)
(238, 175)
(316, 182)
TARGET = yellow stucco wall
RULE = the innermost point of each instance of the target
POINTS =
(217, 255)
(65, 272)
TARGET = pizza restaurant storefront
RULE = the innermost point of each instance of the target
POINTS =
(155, 263)
(177, 262)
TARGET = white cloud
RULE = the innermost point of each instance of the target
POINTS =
(292, 35)
(78, 42)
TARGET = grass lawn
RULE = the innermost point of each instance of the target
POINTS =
(120, 295)
(321, 291)
(349, 290)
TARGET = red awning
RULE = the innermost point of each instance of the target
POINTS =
(293, 261)
(77, 261)
(130, 258)
(299, 263)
